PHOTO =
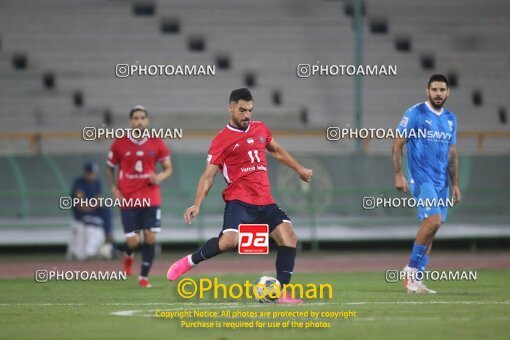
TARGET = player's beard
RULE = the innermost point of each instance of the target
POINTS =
(240, 125)
(140, 128)
(437, 106)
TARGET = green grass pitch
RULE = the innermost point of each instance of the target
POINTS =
(83, 310)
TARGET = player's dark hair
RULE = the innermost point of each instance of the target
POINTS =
(240, 94)
(438, 77)
(138, 108)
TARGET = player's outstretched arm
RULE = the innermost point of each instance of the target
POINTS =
(204, 185)
(167, 172)
(282, 155)
(453, 170)
(396, 150)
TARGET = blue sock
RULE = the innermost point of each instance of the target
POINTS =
(417, 255)
(423, 263)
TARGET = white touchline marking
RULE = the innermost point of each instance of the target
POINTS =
(209, 305)
(213, 305)
(130, 313)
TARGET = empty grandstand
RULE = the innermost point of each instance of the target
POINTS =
(58, 63)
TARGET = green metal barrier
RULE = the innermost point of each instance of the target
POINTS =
(337, 189)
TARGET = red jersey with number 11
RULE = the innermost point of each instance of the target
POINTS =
(241, 157)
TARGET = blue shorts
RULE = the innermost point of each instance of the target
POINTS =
(428, 193)
(134, 220)
(237, 212)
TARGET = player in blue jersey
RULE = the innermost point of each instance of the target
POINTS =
(92, 226)
(430, 132)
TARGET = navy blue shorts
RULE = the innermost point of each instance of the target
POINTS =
(134, 220)
(237, 212)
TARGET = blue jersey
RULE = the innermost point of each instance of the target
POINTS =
(89, 190)
(429, 136)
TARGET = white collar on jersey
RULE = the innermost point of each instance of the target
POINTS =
(237, 130)
(138, 142)
(434, 110)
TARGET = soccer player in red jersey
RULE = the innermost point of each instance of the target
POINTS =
(238, 151)
(138, 184)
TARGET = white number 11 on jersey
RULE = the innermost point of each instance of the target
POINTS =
(256, 153)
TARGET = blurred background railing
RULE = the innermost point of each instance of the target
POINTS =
(32, 185)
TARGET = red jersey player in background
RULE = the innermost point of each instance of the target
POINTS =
(137, 181)
(238, 151)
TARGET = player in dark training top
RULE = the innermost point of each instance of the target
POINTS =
(239, 152)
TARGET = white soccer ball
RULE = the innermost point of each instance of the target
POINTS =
(267, 289)
(105, 251)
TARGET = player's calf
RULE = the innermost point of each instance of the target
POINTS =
(289, 239)
(132, 242)
(428, 229)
